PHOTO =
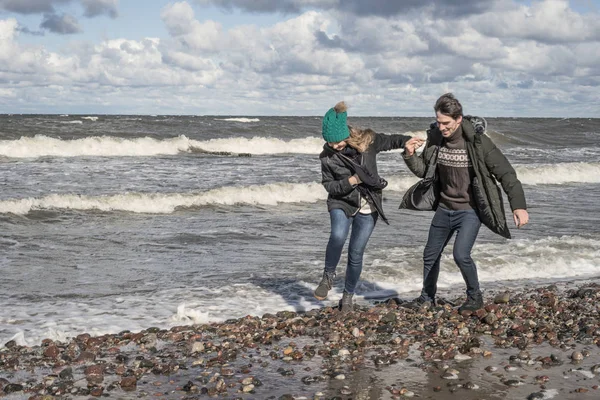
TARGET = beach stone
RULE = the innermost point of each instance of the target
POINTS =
(576, 356)
(490, 319)
(345, 391)
(197, 347)
(523, 355)
(51, 351)
(66, 374)
(94, 373)
(513, 382)
(462, 357)
(389, 317)
(248, 388)
(129, 383)
(12, 388)
(535, 396)
(86, 356)
(450, 376)
(502, 298)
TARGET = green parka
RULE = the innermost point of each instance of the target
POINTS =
(489, 166)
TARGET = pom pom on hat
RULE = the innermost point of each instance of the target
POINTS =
(335, 125)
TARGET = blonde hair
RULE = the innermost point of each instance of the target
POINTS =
(360, 139)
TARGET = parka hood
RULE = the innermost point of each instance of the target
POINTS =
(471, 125)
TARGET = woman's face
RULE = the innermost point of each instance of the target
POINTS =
(337, 145)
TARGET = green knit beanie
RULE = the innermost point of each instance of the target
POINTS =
(335, 126)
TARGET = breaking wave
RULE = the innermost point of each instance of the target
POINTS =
(108, 146)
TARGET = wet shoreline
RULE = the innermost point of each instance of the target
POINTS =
(534, 343)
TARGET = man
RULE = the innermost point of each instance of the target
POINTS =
(467, 164)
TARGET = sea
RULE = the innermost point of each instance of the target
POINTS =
(125, 222)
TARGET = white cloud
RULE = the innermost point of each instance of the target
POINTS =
(548, 21)
(308, 61)
(189, 32)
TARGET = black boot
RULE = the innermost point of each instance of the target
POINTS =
(324, 287)
(346, 304)
(473, 303)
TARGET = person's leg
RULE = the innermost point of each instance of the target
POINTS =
(467, 226)
(362, 227)
(440, 233)
(340, 226)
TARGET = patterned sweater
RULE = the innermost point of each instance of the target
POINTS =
(455, 172)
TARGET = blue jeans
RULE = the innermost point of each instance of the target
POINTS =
(362, 227)
(445, 222)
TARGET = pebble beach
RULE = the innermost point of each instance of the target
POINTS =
(534, 343)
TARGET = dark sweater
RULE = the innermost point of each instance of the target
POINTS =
(455, 172)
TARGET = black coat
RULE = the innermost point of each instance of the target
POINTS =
(489, 166)
(335, 173)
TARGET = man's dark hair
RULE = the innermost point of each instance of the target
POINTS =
(448, 105)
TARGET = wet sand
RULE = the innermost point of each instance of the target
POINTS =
(534, 343)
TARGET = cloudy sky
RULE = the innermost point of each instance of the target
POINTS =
(299, 57)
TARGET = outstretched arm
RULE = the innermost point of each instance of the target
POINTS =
(415, 163)
(385, 142)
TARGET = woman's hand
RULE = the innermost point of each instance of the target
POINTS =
(354, 180)
(411, 146)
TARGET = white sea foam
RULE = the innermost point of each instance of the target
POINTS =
(262, 145)
(71, 122)
(90, 118)
(107, 146)
(391, 269)
(245, 120)
(555, 174)
(271, 194)
(551, 258)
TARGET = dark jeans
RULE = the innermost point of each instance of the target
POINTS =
(466, 224)
(362, 227)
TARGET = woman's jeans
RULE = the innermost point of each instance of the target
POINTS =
(466, 224)
(362, 227)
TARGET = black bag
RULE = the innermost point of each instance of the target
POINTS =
(425, 194)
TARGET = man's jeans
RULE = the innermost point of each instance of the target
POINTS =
(466, 224)
(362, 227)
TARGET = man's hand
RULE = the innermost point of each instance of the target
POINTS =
(412, 145)
(521, 217)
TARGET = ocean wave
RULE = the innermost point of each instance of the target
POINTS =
(270, 194)
(556, 174)
(550, 258)
(93, 119)
(161, 203)
(110, 146)
(245, 120)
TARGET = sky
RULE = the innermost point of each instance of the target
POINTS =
(501, 58)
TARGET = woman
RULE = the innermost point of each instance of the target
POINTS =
(349, 171)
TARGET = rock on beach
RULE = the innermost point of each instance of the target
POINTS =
(528, 343)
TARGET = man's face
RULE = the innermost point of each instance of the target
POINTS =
(447, 124)
(337, 145)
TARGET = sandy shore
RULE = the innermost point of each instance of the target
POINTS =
(537, 343)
